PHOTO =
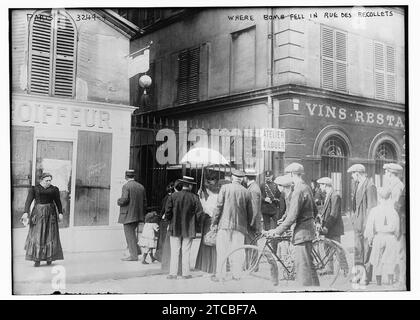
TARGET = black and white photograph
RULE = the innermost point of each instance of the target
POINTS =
(180, 150)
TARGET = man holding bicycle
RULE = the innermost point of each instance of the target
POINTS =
(301, 214)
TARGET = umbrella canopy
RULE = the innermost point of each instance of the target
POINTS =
(203, 156)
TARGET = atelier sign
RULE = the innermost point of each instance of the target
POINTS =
(273, 140)
(59, 115)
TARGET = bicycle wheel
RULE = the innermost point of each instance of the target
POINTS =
(331, 262)
(286, 253)
(245, 263)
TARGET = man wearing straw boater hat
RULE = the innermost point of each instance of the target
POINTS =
(133, 206)
(183, 210)
(301, 214)
(364, 198)
(232, 217)
(392, 173)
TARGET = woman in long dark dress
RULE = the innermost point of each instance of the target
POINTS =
(206, 256)
(43, 240)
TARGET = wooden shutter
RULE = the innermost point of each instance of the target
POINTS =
(41, 47)
(390, 73)
(341, 60)
(64, 59)
(379, 70)
(188, 76)
(93, 178)
(327, 56)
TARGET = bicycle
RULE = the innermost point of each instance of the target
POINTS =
(260, 258)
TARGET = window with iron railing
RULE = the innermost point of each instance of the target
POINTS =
(52, 54)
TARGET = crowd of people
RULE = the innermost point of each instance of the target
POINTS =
(236, 209)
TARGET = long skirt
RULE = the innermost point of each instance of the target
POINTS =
(206, 256)
(43, 240)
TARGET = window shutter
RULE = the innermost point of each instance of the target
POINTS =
(64, 60)
(183, 62)
(327, 53)
(41, 40)
(188, 76)
(341, 60)
(390, 69)
(194, 75)
(379, 71)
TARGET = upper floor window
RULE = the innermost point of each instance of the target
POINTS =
(52, 54)
(333, 59)
(188, 76)
(385, 78)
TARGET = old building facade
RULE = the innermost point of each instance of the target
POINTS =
(333, 79)
(71, 117)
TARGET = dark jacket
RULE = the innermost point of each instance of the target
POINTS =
(234, 208)
(132, 203)
(400, 208)
(271, 191)
(364, 199)
(301, 213)
(255, 192)
(331, 215)
(183, 210)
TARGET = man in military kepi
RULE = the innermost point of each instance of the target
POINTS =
(364, 198)
(133, 206)
(300, 213)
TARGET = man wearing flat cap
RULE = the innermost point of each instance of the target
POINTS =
(232, 217)
(364, 198)
(183, 210)
(397, 188)
(301, 214)
(331, 222)
(133, 204)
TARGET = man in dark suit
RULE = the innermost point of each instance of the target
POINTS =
(331, 222)
(183, 210)
(255, 192)
(133, 205)
(364, 198)
(272, 205)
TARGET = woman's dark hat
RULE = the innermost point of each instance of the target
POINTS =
(44, 175)
(189, 180)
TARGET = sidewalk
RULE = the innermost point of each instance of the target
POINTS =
(83, 267)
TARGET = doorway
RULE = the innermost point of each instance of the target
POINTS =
(55, 157)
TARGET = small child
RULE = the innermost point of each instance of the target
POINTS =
(148, 238)
(382, 229)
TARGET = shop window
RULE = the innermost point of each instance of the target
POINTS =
(188, 76)
(385, 77)
(243, 59)
(52, 54)
(93, 178)
(385, 153)
(333, 59)
(334, 157)
(21, 165)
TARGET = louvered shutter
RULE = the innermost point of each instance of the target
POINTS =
(379, 70)
(194, 75)
(41, 47)
(327, 56)
(188, 76)
(341, 60)
(183, 62)
(64, 60)
(390, 73)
